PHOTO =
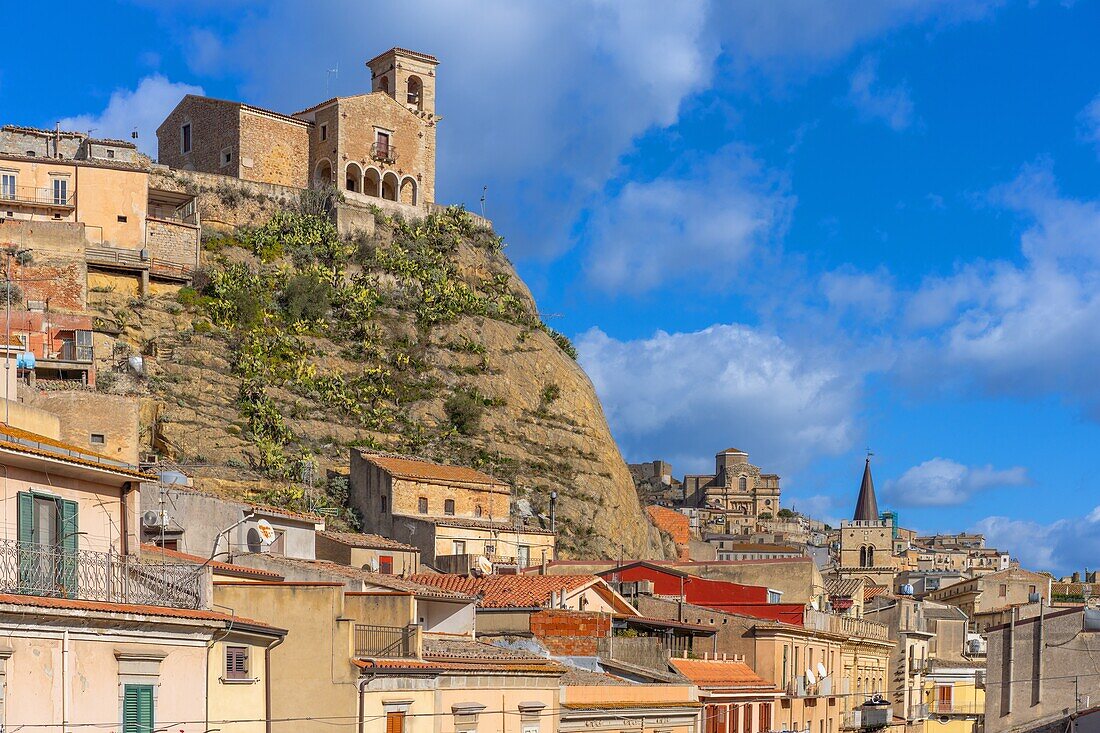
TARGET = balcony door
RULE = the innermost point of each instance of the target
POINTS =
(47, 530)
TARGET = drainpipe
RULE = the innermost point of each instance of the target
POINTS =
(267, 683)
(65, 682)
(1039, 645)
(363, 682)
(1011, 643)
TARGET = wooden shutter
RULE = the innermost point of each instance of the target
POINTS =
(735, 719)
(747, 719)
(385, 564)
(395, 723)
(137, 709)
(765, 717)
(25, 533)
(236, 662)
(69, 534)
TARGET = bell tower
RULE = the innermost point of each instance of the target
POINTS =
(407, 76)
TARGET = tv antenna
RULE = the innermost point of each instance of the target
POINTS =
(331, 74)
(484, 191)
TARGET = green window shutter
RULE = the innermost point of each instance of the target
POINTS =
(69, 529)
(26, 517)
(137, 709)
(25, 533)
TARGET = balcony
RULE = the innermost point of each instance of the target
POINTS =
(44, 197)
(948, 707)
(398, 642)
(856, 627)
(384, 152)
(130, 260)
(917, 712)
(44, 570)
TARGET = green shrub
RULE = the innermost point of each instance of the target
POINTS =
(464, 409)
(563, 342)
(305, 298)
(201, 327)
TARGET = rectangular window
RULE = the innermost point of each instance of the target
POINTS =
(395, 722)
(110, 153)
(48, 528)
(1003, 592)
(385, 564)
(1030, 589)
(746, 719)
(735, 719)
(7, 185)
(121, 219)
(236, 663)
(97, 438)
(523, 556)
(459, 547)
(137, 709)
(385, 503)
(227, 158)
(765, 717)
(60, 191)
(324, 133)
(449, 507)
(185, 138)
(422, 505)
(786, 679)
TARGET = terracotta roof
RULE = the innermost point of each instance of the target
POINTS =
(373, 541)
(721, 674)
(873, 591)
(628, 704)
(393, 582)
(509, 591)
(480, 524)
(575, 676)
(224, 567)
(412, 468)
(844, 586)
(733, 450)
(24, 441)
(423, 56)
(671, 521)
(445, 665)
(76, 605)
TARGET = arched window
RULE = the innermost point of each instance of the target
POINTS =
(408, 191)
(372, 182)
(863, 557)
(389, 186)
(384, 84)
(353, 178)
(415, 92)
(743, 483)
(870, 557)
(323, 175)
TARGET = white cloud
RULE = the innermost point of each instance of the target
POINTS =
(142, 108)
(873, 100)
(1060, 547)
(1027, 329)
(944, 482)
(703, 222)
(685, 391)
(1089, 120)
(870, 296)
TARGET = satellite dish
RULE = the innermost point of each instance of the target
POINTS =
(810, 679)
(266, 532)
(821, 671)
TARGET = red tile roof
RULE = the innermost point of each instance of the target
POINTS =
(713, 673)
(423, 470)
(75, 605)
(873, 591)
(372, 541)
(224, 567)
(671, 521)
(508, 591)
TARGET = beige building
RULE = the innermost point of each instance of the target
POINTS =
(600, 702)
(96, 633)
(368, 551)
(734, 697)
(92, 204)
(867, 540)
(995, 592)
(459, 518)
(734, 497)
(377, 145)
(361, 659)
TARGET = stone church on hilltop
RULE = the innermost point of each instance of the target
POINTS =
(380, 144)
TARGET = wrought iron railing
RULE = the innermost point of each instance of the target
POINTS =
(950, 707)
(33, 195)
(385, 641)
(31, 569)
(386, 152)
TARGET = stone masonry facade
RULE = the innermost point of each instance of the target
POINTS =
(378, 145)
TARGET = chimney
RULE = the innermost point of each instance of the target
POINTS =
(57, 140)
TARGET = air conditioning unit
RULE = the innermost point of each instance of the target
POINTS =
(153, 519)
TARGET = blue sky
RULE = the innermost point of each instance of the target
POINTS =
(800, 228)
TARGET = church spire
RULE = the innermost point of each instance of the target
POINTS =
(866, 505)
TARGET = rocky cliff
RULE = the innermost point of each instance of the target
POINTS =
(297, 344)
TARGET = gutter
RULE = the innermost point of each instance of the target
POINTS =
(363, 682)
(267, 684)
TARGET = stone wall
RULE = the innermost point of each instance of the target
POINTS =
(172, 241)
(215, 126)
(273, 150)
(57, 272)
(84, 413)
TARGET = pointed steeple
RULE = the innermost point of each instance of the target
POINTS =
(866, 505)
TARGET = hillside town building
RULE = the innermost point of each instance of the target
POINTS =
(380, 144)
(732, 498)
